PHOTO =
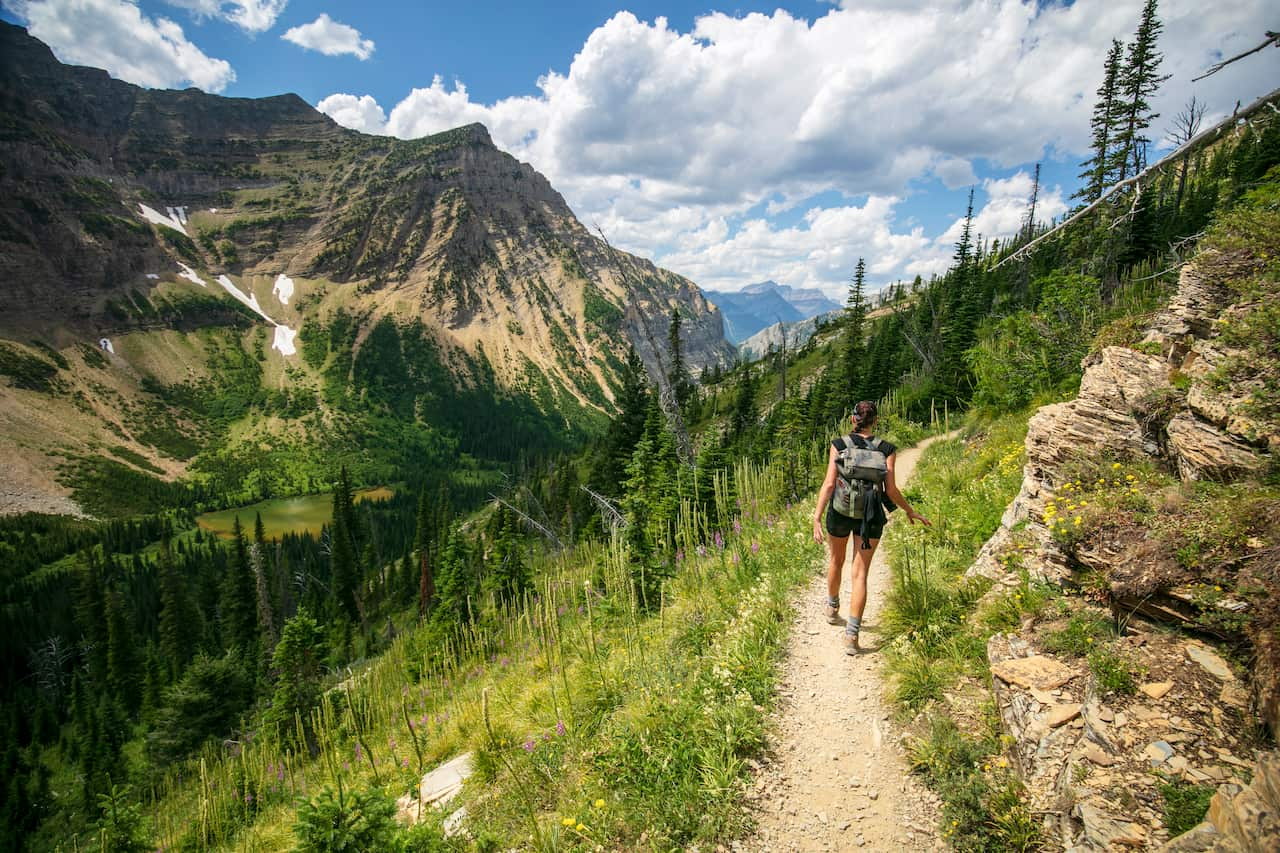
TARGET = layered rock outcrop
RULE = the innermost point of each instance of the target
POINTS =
(1087, 756)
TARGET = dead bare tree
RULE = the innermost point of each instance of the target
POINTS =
(1112, 194)
(1186, 124)
(1272, 39)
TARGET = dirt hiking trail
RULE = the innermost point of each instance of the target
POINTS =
(837, 778)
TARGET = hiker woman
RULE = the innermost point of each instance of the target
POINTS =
(866, 529)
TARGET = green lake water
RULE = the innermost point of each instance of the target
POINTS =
(285, 515)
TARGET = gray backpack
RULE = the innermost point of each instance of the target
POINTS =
(861, 469)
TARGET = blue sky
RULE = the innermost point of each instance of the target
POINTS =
(730, 143)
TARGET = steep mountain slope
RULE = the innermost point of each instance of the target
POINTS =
(253, 249)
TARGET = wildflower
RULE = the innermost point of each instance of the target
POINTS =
(404, 762)
(1078, 520)
(702, 551)
(529, 745)
(735, 558)
(581, 828)
(719, 540)
(568, 821)
(1115, 466)
(599, 804)
(737, 526)
(357, 750)
(560, 727)
(755, 547)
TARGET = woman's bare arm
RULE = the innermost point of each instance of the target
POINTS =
(824, 494)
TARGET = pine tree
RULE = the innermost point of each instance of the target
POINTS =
(239, 603)
(507, 577)
(298, 664)
(91, 614)
(124, 670)
(178, 628)
(681, 386)
(855, 315)
(456, 581)
(1098, 168)
(1138, 82)
(343, 570)
(960, 308)
(266, 608)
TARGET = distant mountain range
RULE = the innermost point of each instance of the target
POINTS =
(767, 303)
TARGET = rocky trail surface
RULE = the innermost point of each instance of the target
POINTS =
(838, 778)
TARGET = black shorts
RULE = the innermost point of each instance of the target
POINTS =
(840, 526)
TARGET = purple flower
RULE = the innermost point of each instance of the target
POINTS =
(346, 765)
(735, 558)
(680, 555)
(506, 661)
(404, 762)
(280, 773)
(248, 797)
(561, 610)
(755, 547)
(357, 750)
(702, 551)
(560, 727)
(737, 526)
(719, 540)
(529, 745)
(392, 741)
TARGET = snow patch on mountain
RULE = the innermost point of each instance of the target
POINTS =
(171, 220)
(283, 288)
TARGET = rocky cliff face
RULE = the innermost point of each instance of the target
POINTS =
(1086, 751)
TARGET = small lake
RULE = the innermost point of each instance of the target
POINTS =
(285, 515)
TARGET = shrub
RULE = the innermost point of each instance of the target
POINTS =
(1185, 805)
(359, 822)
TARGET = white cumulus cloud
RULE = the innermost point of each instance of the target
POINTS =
(116, 36)
(252, 16)
(331, 38)
(656, 134)
(358, 113)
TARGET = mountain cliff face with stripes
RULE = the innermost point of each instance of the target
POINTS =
(166, 250)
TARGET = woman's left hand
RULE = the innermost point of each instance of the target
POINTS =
(913, 517)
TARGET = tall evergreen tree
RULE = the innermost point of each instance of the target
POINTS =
(124, 669)
(1098, 168)
(266, 609)
(178, 628)
(681, 385)
(239, 602)
(855, 315)
(343, 570)
(507, 576)
(1139, 81)
(92, 616)
(960, 309)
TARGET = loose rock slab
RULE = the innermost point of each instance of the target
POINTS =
(1038, 671)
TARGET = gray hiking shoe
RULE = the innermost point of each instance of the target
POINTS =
(833, 616)
(850, 643)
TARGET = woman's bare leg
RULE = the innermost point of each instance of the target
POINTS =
(858, 584)
(858, 578)
(836, 547)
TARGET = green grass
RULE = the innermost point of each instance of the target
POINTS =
(1185, 804)
(1084, 633)
(577, 706)
(935, 639)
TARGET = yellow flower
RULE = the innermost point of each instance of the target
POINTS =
(1078, 520)
(568, 821)
(599, 804)
(580, 828)
(1083, 504)
(1115, 466)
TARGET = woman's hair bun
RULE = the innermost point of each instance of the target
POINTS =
(864, 412)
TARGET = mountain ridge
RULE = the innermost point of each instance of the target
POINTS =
(139, 215)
